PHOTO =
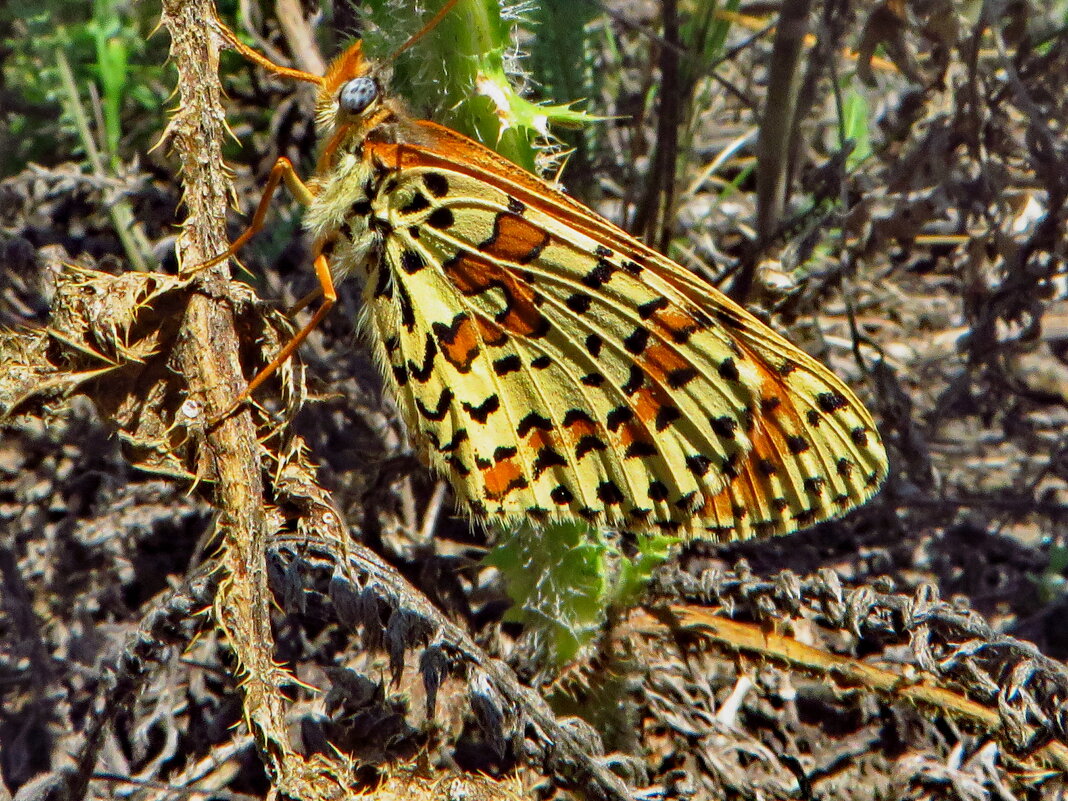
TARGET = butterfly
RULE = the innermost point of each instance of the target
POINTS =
(546, 363)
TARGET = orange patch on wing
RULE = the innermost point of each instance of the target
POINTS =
(648, 401)
(473, 275)
(459, 344)
(720, 507)
(659, 361)
(631, 432)
(492, 334)
(784, 418)
(515, 239)
(502, 478)
(748, 495)
(675, 322)
(540, 438)
(581, 428)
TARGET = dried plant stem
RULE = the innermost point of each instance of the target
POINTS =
(753, 639)
(230, 453)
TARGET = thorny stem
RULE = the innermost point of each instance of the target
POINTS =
(230, 454)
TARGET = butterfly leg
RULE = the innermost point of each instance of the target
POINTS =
(281, 171)
(329, 293)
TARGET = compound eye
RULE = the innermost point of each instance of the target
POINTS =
(356, 95)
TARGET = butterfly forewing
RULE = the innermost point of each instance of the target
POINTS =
(553, 367)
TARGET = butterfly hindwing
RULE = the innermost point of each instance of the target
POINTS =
(527, 359)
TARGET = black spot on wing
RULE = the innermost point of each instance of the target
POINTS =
(412, 261)
(658, 491)
(562, 495)
(636, 341)
(533, 421)
(634, 380)
(587, 444)
(698, 465)
(618, 416)
(441, 218)
(421, 373)
(649, 308)
(547, 457)
(574, 416)
(457, 439)
(436, 184)
(724, 426)
(729, 370)
(831, 401)
(417, 203)
(507, 364)
(729, 466)
(437, 414)
(638, 449)
(600, 275)
(609, 493)
(502, 452)
(579, 302)
(665, 416)
(681, 376)
(687, 502)
(482, 412)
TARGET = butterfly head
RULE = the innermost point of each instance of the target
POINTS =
(351, 100)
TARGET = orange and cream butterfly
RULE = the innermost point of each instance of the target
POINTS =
(548, 364)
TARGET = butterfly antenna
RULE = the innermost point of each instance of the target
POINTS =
(445, 9)
(262, 60)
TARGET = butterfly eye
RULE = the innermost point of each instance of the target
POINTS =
(356, 95)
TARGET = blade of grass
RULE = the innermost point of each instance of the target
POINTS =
(128, 230)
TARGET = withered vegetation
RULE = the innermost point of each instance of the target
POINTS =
(280, 602)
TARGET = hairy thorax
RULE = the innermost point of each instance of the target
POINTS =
(339, 217)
